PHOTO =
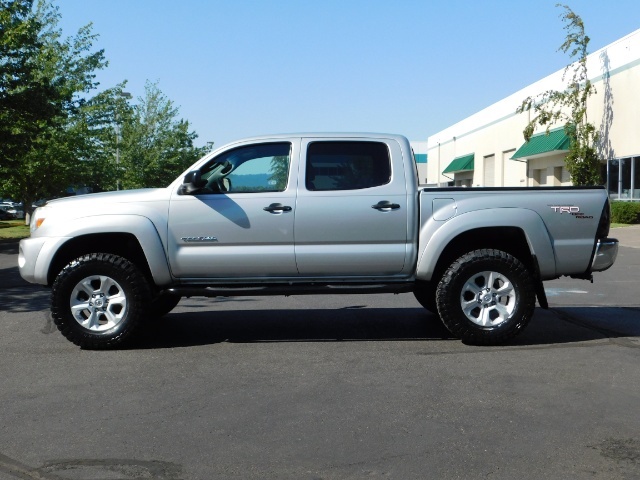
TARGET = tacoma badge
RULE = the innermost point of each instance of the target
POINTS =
(199, 239)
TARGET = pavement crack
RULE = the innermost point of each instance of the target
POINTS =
(130, 468)
(16, 469)
(520, 348)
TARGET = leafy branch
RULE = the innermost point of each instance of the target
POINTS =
(569, 107)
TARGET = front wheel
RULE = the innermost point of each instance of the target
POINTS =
(98, 300)
(486, 297)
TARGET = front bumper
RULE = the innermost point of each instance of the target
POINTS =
(605, 254)
(35, 255)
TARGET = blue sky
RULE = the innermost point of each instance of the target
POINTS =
(241, 68)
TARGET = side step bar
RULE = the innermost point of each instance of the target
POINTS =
(304, 289)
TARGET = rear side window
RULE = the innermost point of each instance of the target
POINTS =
(347, 165)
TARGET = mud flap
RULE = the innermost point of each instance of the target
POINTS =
(540, 293)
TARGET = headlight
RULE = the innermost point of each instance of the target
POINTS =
(37, 218)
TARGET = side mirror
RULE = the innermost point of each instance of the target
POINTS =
(192, 182)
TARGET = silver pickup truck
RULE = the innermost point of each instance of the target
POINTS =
(312, 214)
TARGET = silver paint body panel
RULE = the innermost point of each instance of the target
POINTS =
(326, 236)
(251, 242)
(562, 242)
(339, 233)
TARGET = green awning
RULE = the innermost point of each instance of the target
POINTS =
(541, 143)
(421, 157)
(460, 164)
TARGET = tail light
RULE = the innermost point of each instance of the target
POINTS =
(605, 221)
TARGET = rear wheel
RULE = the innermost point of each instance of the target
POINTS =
(486, 297)
(98, 300)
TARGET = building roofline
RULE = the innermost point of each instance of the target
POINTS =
(624, 58)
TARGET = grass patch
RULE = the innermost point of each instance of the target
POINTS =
(619, 225)
(13, 229)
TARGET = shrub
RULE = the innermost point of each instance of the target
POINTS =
(625, 212)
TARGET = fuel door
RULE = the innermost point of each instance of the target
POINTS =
(444, 209)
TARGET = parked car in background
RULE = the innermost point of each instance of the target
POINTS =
(19, 213)
(13, 208)
(5, 214)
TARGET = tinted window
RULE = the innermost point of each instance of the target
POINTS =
(250, 169)
(347, 165)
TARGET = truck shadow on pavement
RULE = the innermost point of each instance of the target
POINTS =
(16, 294)
(547, 328)
(9, 246)
(21, 300)
(312, 325)
(557, 326)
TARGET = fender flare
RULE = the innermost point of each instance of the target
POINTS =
(435, 236)
(141, 227)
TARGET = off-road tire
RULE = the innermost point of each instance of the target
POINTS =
(473, 289)
(126, 285)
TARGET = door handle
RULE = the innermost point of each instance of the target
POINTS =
(277, 207)
(385, 205)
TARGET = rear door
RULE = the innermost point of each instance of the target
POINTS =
(352, 207)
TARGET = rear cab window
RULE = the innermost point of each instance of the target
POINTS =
(347, 165)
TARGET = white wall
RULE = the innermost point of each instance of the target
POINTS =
(614, 109)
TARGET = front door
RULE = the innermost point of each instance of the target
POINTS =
(240, 224)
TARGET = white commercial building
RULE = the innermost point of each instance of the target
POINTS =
(487, 149)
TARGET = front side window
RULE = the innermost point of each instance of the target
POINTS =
(347, 165)
(249, 169)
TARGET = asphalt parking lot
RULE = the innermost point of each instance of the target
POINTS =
(333, 387)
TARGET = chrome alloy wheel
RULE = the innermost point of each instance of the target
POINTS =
(98, 303)
(488, 299)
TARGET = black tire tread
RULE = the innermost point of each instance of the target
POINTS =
(138, 297)
(447, 297)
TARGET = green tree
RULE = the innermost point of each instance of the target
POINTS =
(27, 100)
(97, 124)
(569, 107)
(43, 81)
(280, 171)
(155, 145)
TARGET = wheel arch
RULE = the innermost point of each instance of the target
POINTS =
(140, 244)
(118, 243)
(519, 232)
